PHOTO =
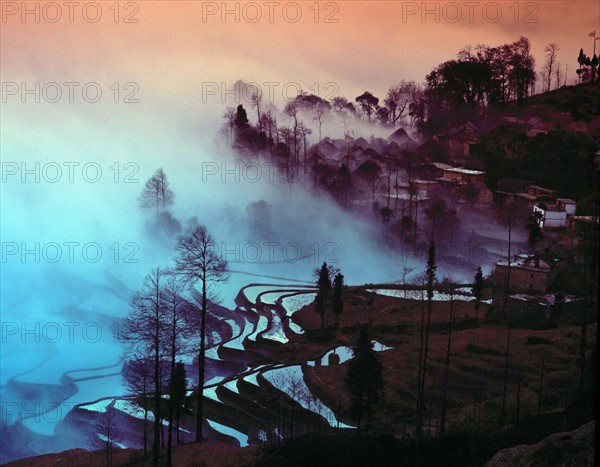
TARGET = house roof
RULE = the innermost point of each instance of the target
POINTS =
(553, 255)
(550, 208)
(548, 299)
(464, 171)
(441, 165)
(511, 185)
(526, 196)
(542, 188)
(586, 219)
(401, 138)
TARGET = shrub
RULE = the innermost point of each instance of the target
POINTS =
(535, 340)
(482, 350)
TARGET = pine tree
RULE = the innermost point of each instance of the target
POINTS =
(337, 304)
(430, 281)
(535, 230)
(364, 379)
(478, 290)
(241, 117)
(323, 284)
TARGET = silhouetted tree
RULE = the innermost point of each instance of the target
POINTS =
(241, 117)
(144, 331)
(436, 212)
(448, 288)
(370, 172)
(386, 216)
(137, 374)
(107, 433)
(551, 50)
(178, 390)
(364, 379)
(323, 286)
(406, 270)
(156, 193)
(368, 103)
(430, 282)
(535, 231)
(398, 100)
(477, 290)
(229, 115)
(198, 261)
(318, 113)
(304, 131)
(337, 303)
(255, 101)
(177, 333)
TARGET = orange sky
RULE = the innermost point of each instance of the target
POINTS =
(173, 48)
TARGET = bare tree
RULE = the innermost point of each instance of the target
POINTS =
(255, 101)
(507, 217)
(178, 392)
(229, 116)
(318, 113)
(176, 334)
(144, 328)
(293, 385)
(107, 434)
(557, 75)
(156, 192)
(304, 132)
(137, 374)
(199, 262)
(551, 50)
(430, 283)
(291, 110)
(269, 124)
(449, 288)
(406, 270)
(345, 119)
(506, 365)
(436, 212)
(398, 99)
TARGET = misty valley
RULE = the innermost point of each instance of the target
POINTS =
(223, 273)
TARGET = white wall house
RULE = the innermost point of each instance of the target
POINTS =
(552, 216)
(568, 205)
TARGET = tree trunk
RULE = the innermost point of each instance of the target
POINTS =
(156, 440)
(425, 352)
(171, 407)
(446, 371)
(506, 370)
(418, 416)
(145, 427)
(507, 289)
(200, 413)
(541, 390)
(583, 345)
(518, 395)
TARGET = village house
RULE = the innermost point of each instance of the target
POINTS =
(549, 307)
(529, 273)
(583, 224)
(507, 188)
(535, 194)
(461, 175)
(523, 193)
(460, 140)
(555, 216)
